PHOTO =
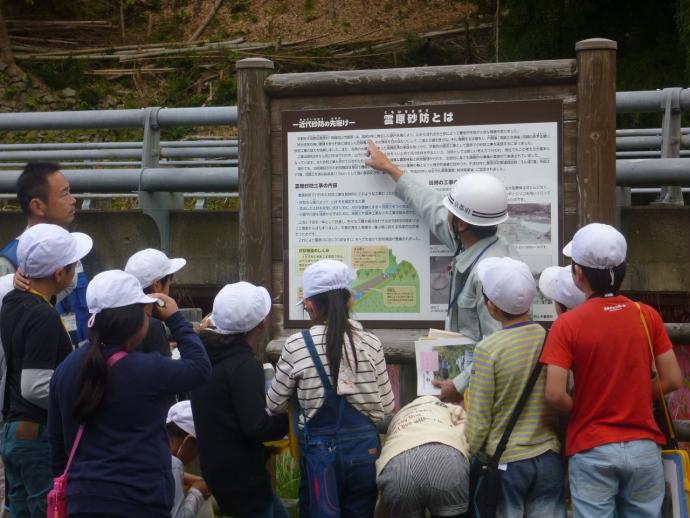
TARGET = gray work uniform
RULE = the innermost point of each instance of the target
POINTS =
(469, 315)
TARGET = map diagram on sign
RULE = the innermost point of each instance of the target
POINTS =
(383, 284)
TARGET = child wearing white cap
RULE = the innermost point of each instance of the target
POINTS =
(612, 438)
(35, 342)
(467, 221)
(122, 465)
(556, 283)
(337, 371)
(154, 271)
(532, 482)
(184, 449)
(230, 408)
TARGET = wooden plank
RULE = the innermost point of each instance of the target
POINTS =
(596, 115)
(276, 239)
(453, 77)
(569, 153)
(276, 194)
(254, 171)
(564, 92)
(277, 281)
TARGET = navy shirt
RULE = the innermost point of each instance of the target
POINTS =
(122, 466)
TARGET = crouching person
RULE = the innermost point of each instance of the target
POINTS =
(531, 471)
(230, 409)
(424, 463)
(184, 449)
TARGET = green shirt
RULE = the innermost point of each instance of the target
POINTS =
(502, 365)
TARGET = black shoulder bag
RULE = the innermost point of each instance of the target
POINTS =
(485, 477)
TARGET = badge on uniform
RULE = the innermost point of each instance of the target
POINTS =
(69, 320)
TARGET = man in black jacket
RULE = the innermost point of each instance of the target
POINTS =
(230, 408)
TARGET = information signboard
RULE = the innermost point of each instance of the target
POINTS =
(336, 207)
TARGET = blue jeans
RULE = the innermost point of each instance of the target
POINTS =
(533, 488)
(28, 472)
(627, 477)
(275, 510)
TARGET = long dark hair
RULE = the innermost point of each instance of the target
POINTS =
(111, 328)
(332, 310)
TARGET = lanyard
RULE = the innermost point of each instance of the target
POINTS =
(466, 276)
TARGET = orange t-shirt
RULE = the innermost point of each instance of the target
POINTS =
(604, 343)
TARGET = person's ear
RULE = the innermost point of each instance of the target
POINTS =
(37, 207)
(492, 308)
(59, 275)
(157, 286)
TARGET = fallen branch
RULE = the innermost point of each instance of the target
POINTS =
(206, 21)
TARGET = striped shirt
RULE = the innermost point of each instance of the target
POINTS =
(370, 392)
(502, 364)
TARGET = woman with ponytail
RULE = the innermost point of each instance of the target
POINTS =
(335, 375)
(122, 463)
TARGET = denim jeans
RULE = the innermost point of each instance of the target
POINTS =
(627, 477)
(533, 488)
(275, 510)
(28, 472)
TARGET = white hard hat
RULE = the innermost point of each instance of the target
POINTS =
(478, 199)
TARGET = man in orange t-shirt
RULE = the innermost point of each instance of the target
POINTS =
(612, 438)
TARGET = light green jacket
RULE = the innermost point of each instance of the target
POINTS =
(469, 315)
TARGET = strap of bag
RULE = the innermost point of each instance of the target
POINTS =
(667, 414)
(111, 361)
(466, 275)
(531, 381)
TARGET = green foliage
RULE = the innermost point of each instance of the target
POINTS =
(287, 476)
(225, 91)
(309, 10)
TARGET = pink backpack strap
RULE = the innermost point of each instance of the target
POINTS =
(111, 361)
(116, 358)
(75, 444)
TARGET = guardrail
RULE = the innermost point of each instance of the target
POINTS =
(652, 157)
(159, 174)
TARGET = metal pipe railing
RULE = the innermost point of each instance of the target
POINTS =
(118, 119)
(101, 154)
(652, 172)
(648, 101)
(145, 179)
(114, 145)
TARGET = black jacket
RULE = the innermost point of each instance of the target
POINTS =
(231, 424)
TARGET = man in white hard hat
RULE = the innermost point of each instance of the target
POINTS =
(531, 482)
(611, 344)
(466, 221)
(35, 342)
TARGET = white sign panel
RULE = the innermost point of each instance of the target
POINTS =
(339, 208)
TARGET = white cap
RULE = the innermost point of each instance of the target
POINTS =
(240, 307)
(43, 249)
(325, 275)
(597, 246)
(151, 265)
(556, 283)
(478, 199)
(181, 414)
(508, 283)
(114, 289)
(6, 285)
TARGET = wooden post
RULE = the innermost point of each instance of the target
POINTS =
(254, 171)
(596, 131)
